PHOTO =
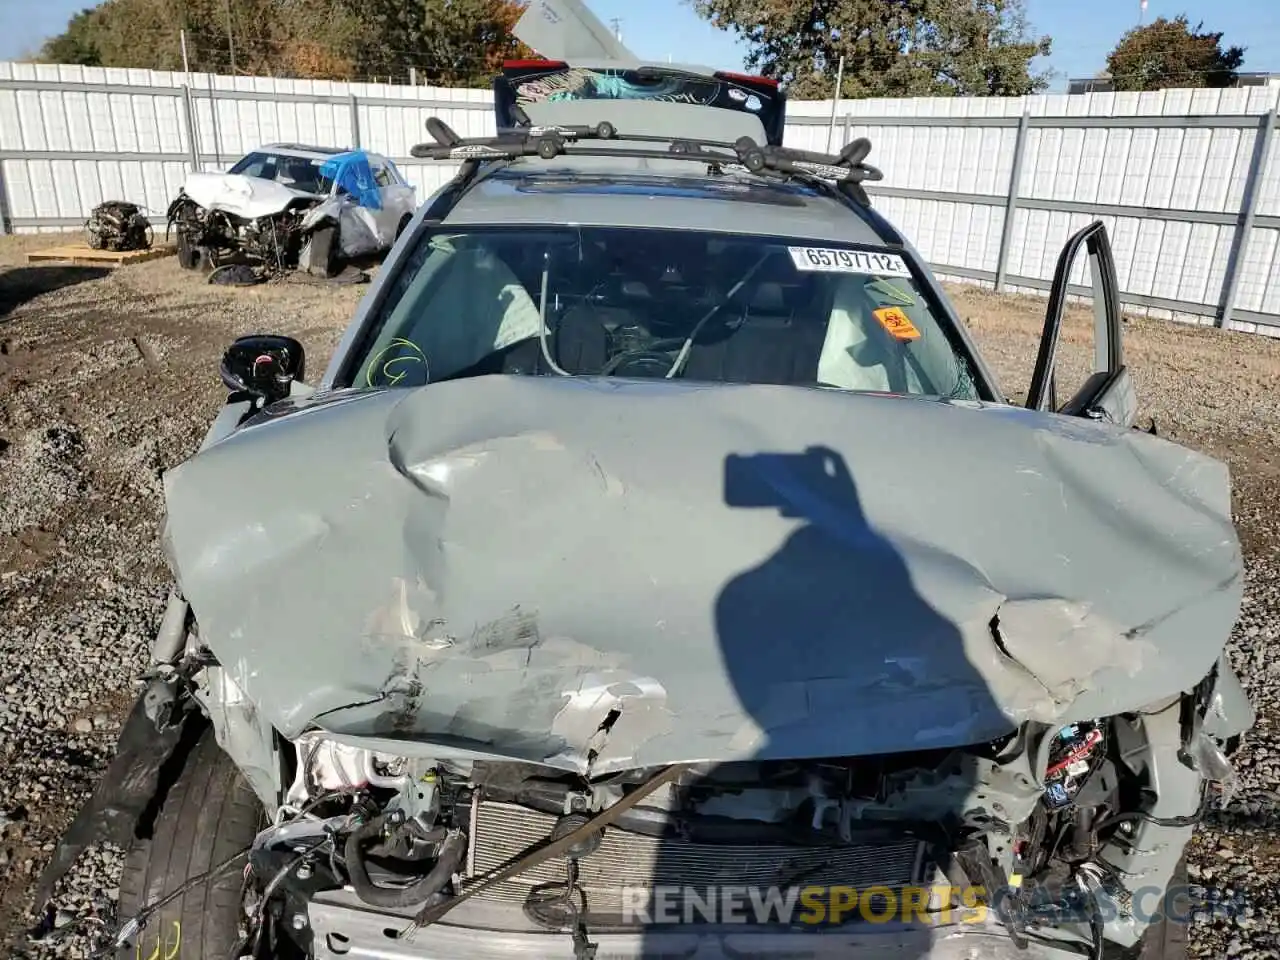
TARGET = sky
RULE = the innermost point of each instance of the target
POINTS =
(1083, 31)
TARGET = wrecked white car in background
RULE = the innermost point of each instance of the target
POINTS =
(287, 206)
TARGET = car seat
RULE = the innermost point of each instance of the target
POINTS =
(471, 307)
(857, 353)
(769, 342)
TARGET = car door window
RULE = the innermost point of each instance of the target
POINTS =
(381, 175)
(1080, 366)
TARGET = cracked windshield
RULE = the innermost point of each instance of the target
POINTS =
(606, 301)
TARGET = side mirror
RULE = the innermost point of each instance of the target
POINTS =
(263, 366)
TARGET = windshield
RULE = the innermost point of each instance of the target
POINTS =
(298, 173)
(658, 303)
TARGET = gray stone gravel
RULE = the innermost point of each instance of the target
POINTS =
(1219, 393)
(104, 383)
(88, 421)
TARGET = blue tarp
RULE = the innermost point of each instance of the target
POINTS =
(351, 172)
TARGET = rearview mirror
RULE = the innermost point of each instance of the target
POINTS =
(263, 365)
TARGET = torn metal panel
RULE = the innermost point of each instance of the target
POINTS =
(502, 564)
(1230, 713)
(239, 730)
(656, 118)
(359, 231)
(1147, 854)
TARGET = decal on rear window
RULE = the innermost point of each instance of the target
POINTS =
(848, 261)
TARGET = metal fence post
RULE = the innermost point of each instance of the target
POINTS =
(217, 124)
(355, 123)
(188, 109)
(5, 226)
(1248, 207)
(835, 103)
(1011, 202)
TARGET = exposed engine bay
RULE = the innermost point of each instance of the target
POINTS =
(1067, 810)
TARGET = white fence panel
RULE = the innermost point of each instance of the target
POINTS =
(988, 189)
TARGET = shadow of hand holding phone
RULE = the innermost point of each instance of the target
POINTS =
(837, 661)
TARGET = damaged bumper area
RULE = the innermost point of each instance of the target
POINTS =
(228, 214)
(342, 930)
(942, 852)
(277, 227)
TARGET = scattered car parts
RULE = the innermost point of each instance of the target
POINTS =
(118, 225)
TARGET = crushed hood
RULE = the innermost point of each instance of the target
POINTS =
(247, 197)
(707, 572)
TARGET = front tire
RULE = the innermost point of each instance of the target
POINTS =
(209, 815)
(333, 263)
(191, 257)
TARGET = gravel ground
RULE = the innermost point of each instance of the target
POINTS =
(108, 379)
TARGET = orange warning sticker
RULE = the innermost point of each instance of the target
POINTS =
(897, 323)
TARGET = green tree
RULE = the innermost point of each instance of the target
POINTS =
(1171, 53)
(449, 42)
(892, 48)
(77, 44)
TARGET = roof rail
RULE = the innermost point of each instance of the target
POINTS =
(847, 170)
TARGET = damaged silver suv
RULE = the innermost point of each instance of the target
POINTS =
(662, 572)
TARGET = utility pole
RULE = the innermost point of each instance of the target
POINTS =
(231, 40)
(835, 102)
(1142, 11)
(616, 23)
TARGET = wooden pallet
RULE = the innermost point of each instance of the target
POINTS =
(82, 253)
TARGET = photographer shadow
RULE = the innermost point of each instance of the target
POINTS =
(833, 654)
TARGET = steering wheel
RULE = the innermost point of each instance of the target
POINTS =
(653, 360)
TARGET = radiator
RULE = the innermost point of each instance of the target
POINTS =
(502, 831)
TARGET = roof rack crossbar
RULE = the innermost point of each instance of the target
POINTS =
(846, 169)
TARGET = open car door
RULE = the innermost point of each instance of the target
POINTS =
(1106, 393)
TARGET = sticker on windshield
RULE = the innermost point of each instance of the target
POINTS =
(897, 323)
(848, 261)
